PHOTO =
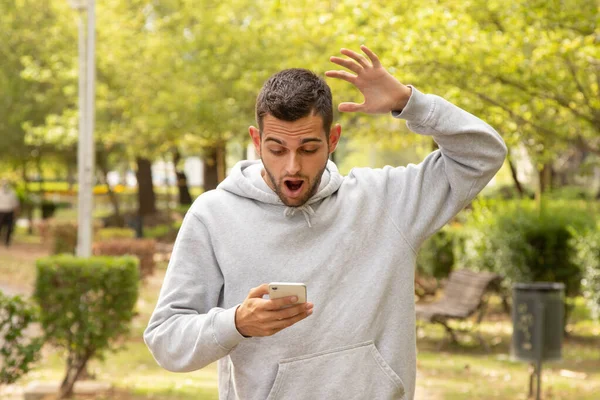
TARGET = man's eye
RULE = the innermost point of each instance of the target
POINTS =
(309, 151)
(276, 152)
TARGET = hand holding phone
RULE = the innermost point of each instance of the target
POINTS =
(257, 316)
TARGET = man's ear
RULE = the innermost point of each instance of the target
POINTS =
(334, 137)
(255, 135)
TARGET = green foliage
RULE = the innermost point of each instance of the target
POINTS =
(115, 233)
(157, 232)
(436, 256)
(505, 192)
(587, 244)
(18, 349)
(523, 244)
(65, 238)
(571, 193)
(86, 304)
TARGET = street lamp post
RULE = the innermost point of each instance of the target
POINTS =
(85, 147)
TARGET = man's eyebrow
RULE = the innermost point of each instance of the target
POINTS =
(270, 139)
(307, 140)
(303, 141)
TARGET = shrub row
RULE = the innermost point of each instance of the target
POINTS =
(560, 243)
(109, 242)
(143, 249)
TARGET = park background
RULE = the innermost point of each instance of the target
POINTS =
(175, 92)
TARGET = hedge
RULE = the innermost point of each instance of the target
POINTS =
(86, 305)
(143, 249)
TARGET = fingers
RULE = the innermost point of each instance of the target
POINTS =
(278, 325)
(276, 304)
(351, 65)
(346, 76)
(372, 56)
(350, 107)
(291, 311)
(259, 291)
(356, 57)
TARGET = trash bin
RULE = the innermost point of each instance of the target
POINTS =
(537, 315)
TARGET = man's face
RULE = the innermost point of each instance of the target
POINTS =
(294, 155)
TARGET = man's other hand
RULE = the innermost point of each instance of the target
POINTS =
(383, 93)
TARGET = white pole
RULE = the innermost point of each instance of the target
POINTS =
(81, 145)
(88, 154)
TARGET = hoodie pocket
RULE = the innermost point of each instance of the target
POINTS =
(352, 372)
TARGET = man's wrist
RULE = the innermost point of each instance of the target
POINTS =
(235, 321)
(401, 98)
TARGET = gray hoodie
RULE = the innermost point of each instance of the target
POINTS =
(353, 244)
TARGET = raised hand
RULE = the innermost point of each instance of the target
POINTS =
(261, 317)
(382, 92)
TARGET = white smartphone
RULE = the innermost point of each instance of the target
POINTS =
(285, 289)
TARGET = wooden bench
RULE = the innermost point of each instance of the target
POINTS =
(464, 295)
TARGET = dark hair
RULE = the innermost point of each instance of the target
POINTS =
(292, 94)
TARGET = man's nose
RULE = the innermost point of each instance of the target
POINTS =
(293, 165)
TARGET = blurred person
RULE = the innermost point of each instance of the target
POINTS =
(353, 240)
(9, 208)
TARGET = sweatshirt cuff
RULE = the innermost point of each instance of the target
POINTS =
(417, 109)
(226, 334)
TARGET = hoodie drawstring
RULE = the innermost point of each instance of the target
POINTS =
(306, 209)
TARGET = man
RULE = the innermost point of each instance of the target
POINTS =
(352, 240)
(9, 206)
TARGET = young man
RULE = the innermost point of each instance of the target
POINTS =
(9, 206)
(352, 240)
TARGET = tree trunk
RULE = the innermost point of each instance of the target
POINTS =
(146, 196)
(513, 172)
(182, 184)
(75, 366)
(546, 178)
(214, 166)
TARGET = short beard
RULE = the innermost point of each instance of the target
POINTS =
(307, 196)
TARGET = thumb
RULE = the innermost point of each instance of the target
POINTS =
(350, 107)
(259, 291)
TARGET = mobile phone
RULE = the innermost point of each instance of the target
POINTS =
(285, 289)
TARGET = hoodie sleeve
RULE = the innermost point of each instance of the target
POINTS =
(187, 330)
(421, 198)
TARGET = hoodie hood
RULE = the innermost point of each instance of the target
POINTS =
(246, 180)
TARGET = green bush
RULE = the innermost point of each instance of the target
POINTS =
(436, 256)
(505, 192)
(115, 233)
(65, 238)
(523, 244)
(18, 350)
(587, 244)
(157, 232)
(571, 193)
(86, 305)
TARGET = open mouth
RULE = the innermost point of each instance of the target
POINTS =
(294, 185)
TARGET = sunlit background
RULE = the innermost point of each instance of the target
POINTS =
(176, 83)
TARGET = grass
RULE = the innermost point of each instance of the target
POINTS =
(456, 372)
(466, 371)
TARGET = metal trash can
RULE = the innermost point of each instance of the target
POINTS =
(538, 314)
